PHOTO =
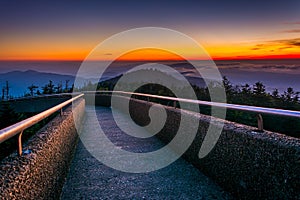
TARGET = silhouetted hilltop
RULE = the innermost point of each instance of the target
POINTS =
(157, 76)
(20, 80)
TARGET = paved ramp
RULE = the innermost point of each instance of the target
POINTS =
(90, 179)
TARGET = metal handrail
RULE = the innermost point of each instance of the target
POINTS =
(254, 109)
(19, 127)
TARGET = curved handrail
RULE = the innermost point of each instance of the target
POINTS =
(256, 109)
(19, 127)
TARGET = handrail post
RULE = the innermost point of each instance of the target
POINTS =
(174, 104)
(260, 124)
(20, 149)
(18, 128)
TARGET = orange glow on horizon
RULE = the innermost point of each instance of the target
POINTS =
(217, 52)
(79, 59)
(149, 54)
(258, 57)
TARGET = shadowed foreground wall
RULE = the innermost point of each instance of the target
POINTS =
(247, 163)
(38, 103)
(41, 174)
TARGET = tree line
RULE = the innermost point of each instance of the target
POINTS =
(9, 116)
(33, 90)
(50, 88)
(255, 95)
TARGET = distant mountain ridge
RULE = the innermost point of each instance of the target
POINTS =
(19, 81)
(156, 76)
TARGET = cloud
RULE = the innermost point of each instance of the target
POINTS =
(291, 42)
(259, 47)
(285, 47)
(296, 23)
(291, 31)
(108, 54)
(256, 48)
(227, 63)
(266, 67)
(280, 67)
(284, 44)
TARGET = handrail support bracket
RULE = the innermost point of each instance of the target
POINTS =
(20, 149)
(260, 123)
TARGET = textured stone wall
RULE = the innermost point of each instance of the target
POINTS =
(249, 164)
(41, 174)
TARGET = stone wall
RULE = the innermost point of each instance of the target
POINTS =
(247, 163)
(41, 174)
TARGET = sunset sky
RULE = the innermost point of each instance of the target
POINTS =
(69, 30)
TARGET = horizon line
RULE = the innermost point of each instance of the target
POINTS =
(145, 60)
